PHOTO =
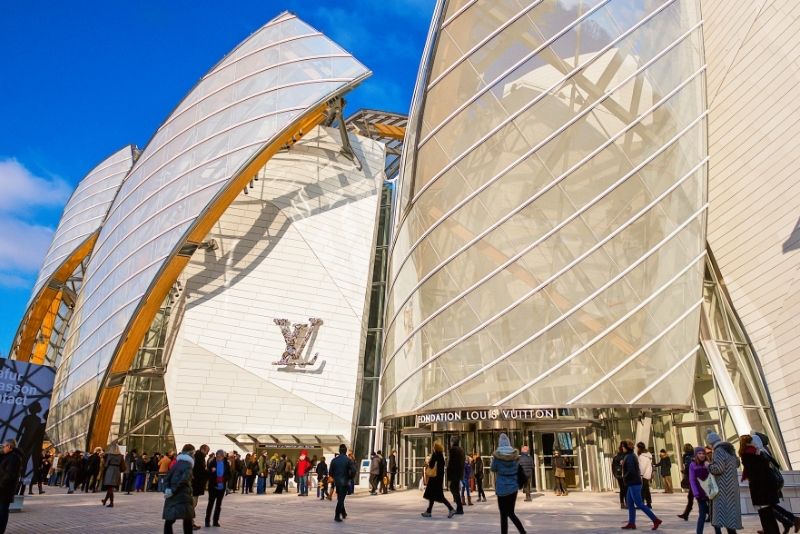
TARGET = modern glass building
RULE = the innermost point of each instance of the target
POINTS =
(550, 245)
(548, 273)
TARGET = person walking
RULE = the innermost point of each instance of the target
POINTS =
(727, 511)
(374, 473)
(505, 463)
(392, 469)
(434, 489)
(199, 478)
(178, 502)
(342, 470)
(616, 470)
(455, 472)
(646, 470)
(11, 465)
(526, 462)
(784, 516)
(698, 472)
(765, 492)
(219, 473)
(383, 475)
(303, 468)
(130, 475)
(633, 481)
(92, 471)
(560, 474)
(465, 483)
(664, 465)
(686, 461)
(477, 466)
(322, 478)
(115, 467)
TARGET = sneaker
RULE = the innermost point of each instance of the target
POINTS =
(425, 514)
(450, 514)
(656, 524)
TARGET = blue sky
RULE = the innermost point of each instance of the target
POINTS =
(78, 80)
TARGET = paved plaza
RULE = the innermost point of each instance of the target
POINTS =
(57, 512)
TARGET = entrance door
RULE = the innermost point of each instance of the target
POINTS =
(416, 448)
(566, 443)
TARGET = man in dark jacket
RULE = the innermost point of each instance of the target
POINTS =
(455, 472)
(343, 471)
(526, 463)
(199, 477)
(92, 471)
(616, 470)
(374, 473)
(219, 474)
(382, 475)
(10, 471)
(392, 469)
(322, 478)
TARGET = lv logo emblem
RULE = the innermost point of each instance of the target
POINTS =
(296, 340)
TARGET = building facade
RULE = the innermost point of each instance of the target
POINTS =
(549, 274)
(557, 243)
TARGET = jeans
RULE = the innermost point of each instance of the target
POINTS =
(214, 496)
(465, 488)
(341, 493)
(444, 502)
(161, 478)
(702, 508)
(634, 500)
(187, 526)
(506, 504)
(455, 490)
(4, 516)
(303, 485)
(479, 487)
(646, 496)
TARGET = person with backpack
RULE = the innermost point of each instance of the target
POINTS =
(633, 481)
(616, 470)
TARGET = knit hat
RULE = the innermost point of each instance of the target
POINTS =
(504, 441)
(713, 438)
(220, 451)
(757, 443)
(698, 450)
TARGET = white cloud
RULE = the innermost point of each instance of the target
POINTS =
(21, 190)
(25, 201)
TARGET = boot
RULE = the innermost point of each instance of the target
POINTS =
(469, 500)
(463, 502)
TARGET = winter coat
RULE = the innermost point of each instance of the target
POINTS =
(115, 466)
(646, 465)
(392, 464)
(526, 462)
(478, 468)
(342, 470)
(506, 465)
(727, 509)
(93, 465)
(375, 466)
(630, 470)
(664, 466)
(322, 471)
(763, 489)
(455, 463)
(303, 467)
(199, 474)
(698, 472)
(434, 489)
(10, 471)
(179, 505)
(616, 465)
(467, 471)
(211, 470)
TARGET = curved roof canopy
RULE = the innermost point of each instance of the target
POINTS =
(271, 89)
(73, 240)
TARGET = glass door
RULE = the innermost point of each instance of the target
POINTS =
(415, 450)
(566, 443)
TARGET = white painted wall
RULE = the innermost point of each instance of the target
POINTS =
(299, 245)
(754, 182)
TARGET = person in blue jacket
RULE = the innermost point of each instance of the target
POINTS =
(505, 463)
(633, 481)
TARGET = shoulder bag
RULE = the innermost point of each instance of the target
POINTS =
(710, 486)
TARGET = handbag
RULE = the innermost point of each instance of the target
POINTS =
(431, 472)
(278, 478)
(709, 486)
(385, 480)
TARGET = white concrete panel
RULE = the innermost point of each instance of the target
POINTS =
(298, 246)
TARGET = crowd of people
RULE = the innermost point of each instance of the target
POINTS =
(709, 474)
